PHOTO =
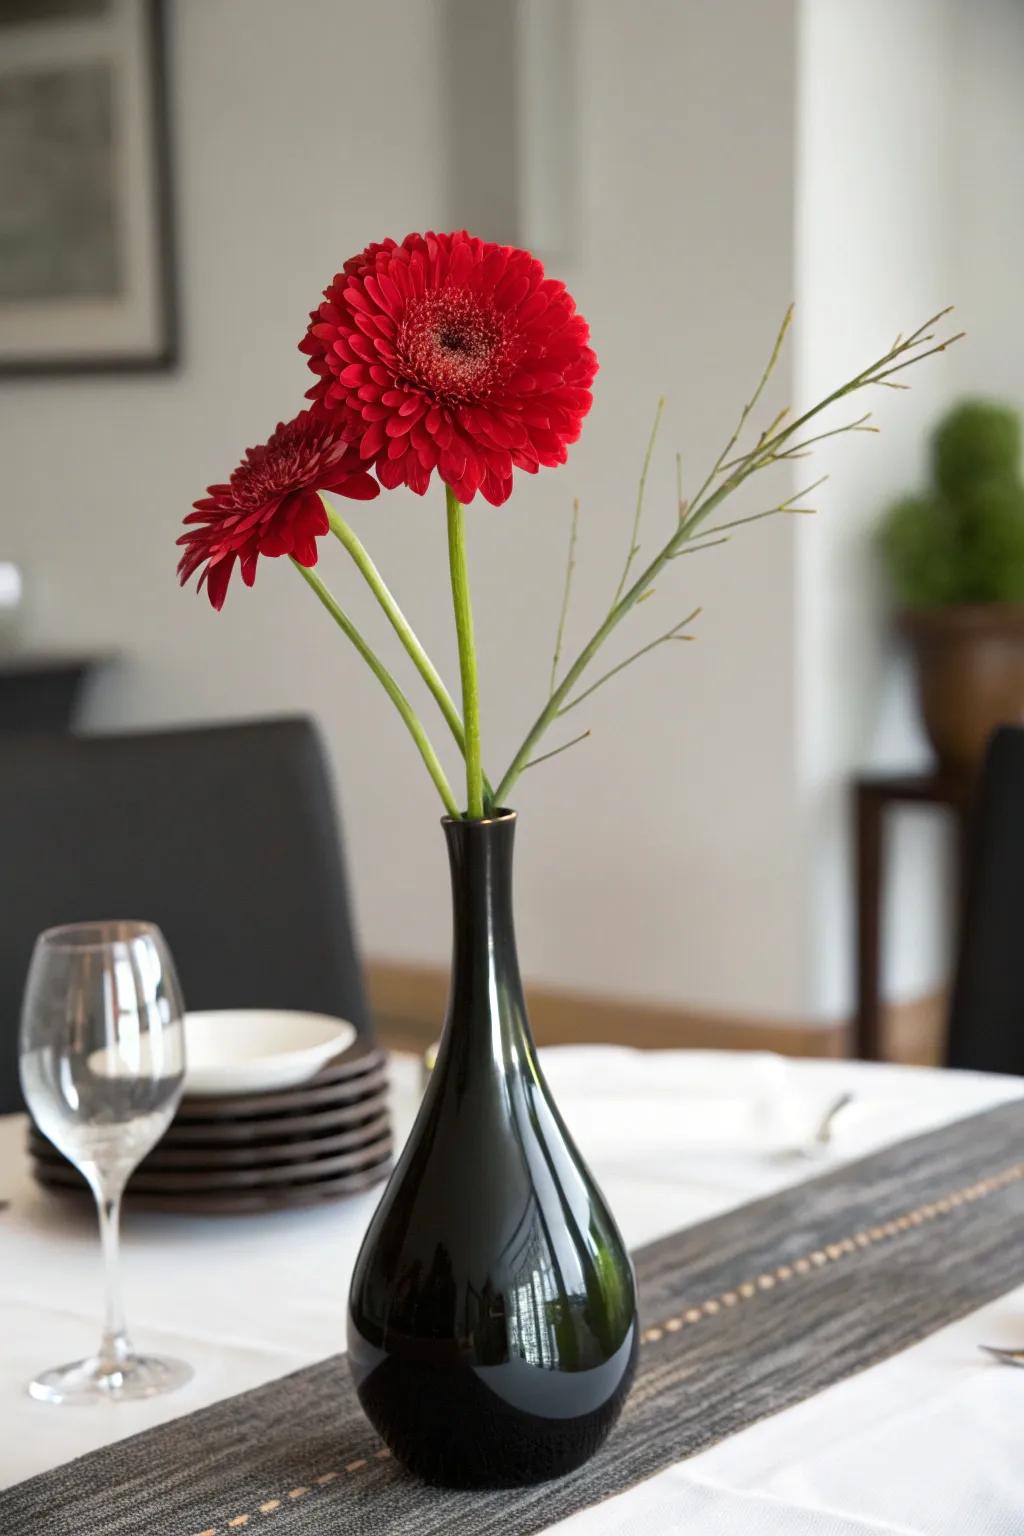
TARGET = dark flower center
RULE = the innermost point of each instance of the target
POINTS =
(287, 462)
(455, 345)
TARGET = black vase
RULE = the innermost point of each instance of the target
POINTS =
(492, 1319)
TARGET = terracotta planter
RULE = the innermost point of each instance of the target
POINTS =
(970, 676)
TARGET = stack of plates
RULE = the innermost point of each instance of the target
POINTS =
(306, 1121)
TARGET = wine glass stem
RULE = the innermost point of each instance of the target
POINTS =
(114, 1346)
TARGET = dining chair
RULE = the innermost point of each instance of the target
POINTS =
(225, 836)
(986, 1024)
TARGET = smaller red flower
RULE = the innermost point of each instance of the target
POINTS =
(270, 505)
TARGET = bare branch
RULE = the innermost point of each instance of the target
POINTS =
(695, 549)
(919, 358)
(634, 547)
(788, 507)
(680, 499)
(569, 569)
(670, 634)
(544, 756)
(771, 428)
(689, 531)
(780, 445)
(720, 462)
(801, 450)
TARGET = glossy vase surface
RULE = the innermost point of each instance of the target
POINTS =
(492, 1317)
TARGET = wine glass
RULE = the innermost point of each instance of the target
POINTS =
(102, 1070)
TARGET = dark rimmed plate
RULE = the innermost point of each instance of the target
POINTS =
(235, 1203)
(360, 1058)
(215, 1179)
(311, 1095)
(165, 1158)
(276, 1128)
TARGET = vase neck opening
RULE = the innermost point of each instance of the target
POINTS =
(485, 1007)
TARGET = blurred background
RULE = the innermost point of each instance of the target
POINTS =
(173, 201)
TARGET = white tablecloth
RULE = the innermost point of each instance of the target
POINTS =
(926, 1444)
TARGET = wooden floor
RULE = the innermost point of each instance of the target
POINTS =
(408, 1004)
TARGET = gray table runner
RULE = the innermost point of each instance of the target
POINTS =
(743, 1315)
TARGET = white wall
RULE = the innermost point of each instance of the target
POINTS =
(658, 859)
(990, 204)
(692, 850)
(876, 173)
(911, 146)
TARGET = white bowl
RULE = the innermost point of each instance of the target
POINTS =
(252, 1050)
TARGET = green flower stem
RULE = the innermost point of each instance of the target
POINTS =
(348, 538)
(467, 653)
(388, 683)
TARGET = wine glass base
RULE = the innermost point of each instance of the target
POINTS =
(98, 1381)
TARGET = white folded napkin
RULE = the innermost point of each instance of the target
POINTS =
(735, 1100)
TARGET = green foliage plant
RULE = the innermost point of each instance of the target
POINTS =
(961, 541)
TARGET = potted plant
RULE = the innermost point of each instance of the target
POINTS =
(955, 559)
(492, 1319)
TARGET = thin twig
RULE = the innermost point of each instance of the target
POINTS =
(708, 499)
(555, 751)
(634, 547)
(876, 372)
(569, 569)
(695, 549)
(908, 362)
(800, 450)
(670, 634)
(738, 522)
(769, 369)
(773, 426)
(787, 507)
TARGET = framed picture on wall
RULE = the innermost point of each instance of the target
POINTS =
(86, 269)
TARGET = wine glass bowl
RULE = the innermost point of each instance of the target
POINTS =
(102, 1062)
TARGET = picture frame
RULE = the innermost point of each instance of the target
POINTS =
(87, 271)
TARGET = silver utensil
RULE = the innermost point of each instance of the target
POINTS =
(820, 1138)
(1004, 1356)
(823, 1132)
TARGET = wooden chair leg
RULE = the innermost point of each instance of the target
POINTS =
(867, 1036)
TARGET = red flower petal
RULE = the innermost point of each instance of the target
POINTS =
(217, 575)
(444, 328)
(373, 439)
(270, 506)
(358, 487)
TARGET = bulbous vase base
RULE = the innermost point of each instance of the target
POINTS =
(492, 1323)
(455, 1427)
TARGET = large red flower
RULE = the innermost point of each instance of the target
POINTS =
(270, 505)
(450, 353)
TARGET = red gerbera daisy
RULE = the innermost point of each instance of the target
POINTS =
(450, 353)
(270, 505)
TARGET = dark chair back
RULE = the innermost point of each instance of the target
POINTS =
(226, 837)
(986, 1026)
